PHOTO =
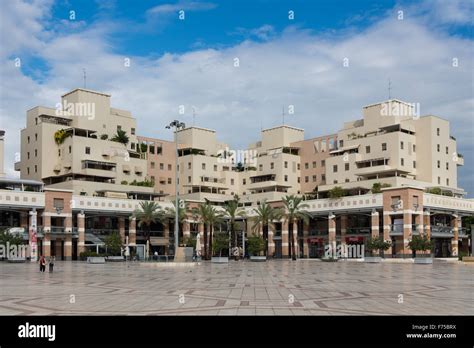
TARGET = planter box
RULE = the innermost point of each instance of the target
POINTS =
(329, 259)
(96, 259)
(373, 259)
(220, 259)
(258, 258)
(115, 258)
(17, 260)
(424, 260)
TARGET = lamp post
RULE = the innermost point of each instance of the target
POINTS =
(177, 125)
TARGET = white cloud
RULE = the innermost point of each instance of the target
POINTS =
(297, 67)
(181, 5)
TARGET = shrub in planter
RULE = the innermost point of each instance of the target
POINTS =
(420, 243)
(85, 254)
(378, 244)
(220, 243)
(255, 245)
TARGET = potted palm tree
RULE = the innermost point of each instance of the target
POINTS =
(148, 213)
(294, 212)
(265, 215)
(255, 246)
(422, 244)
(221, 243)
(231, 212)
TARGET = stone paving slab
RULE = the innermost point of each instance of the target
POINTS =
(239, 288)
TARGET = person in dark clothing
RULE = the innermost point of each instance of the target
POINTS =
(42, 262)
(51, 264)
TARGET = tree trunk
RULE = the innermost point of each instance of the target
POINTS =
(210, 242)
(205, 242)
(293, 252)
(265, 237)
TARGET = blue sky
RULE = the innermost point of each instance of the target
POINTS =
(282, 62)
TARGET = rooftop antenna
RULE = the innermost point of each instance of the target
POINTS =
(84, 76)
(283, 114)
(194, 115)
(389, 89)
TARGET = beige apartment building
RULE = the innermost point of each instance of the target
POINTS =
(78, 186)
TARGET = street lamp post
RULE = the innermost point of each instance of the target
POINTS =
(177, 125)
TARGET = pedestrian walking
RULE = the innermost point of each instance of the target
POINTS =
(51, 264)
(42, 262)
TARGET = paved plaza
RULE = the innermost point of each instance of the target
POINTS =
(303, 287)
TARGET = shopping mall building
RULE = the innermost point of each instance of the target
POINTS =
(78, 184)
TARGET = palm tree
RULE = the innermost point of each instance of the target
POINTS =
(148, 213)
(170, 214)
(294, 212)
(231, 212)
(265, 215)
(209, 216)
(120, 137)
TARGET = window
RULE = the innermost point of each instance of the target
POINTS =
(162, 166)
(439, 164)
(59, 152)
(232, 181)
(286, 177)
(132, 131)
(414, 148)
(314, 164)
(36, 136)
(70, 148)
(414, 164)
(314, 178)
(36, 153)
(152, 179)
(341, 143)
(58, 203)
(437, 131)
(306, 165)
(152, 149)
(346, 166)
(334, 168)
(244, 181)
(272, 165)
(215, 167)
(402, 161)
(323, 163)
(189, 165)
(119, 128)
(260, 167)
(36, 120)
(28, 139)
(401, 145)
(299, 180)
(170, 167)
(189, 179)
(447, 150)
(323, 177)
(88, 150)
(447, 165)
(395, 200)
(286, 164)
(335, 181)
(439, 180)
(298, 166)
(447, 182)
(28, 170)
(169, 181)
(152, 164)
(28, 154)
(437, 147)
(36, 168)
(203, 166)
(384, 146)
(306, 179)
(132, 146)
(367, 149)
(347, 180)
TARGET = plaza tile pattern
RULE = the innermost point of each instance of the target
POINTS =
(303, 287)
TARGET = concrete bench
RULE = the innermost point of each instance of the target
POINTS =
(96, 259)
(115, 259)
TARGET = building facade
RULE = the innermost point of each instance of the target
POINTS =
(80, 181)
